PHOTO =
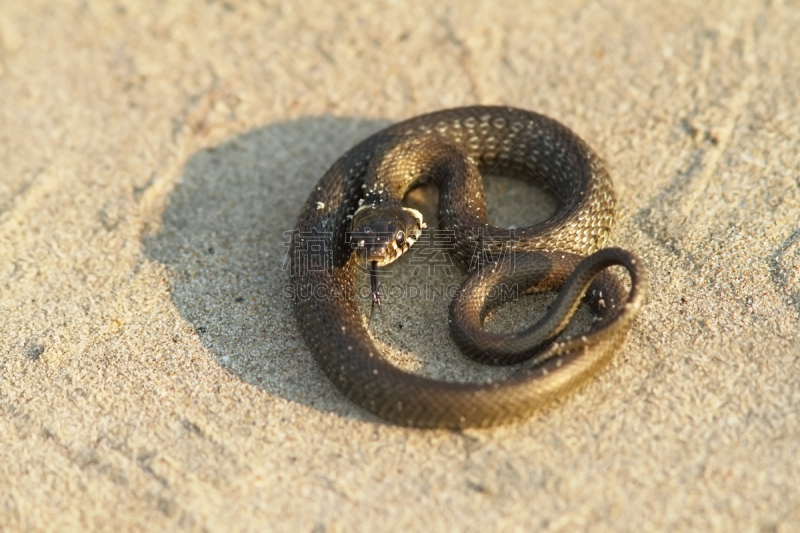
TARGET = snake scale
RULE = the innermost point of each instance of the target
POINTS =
(355, 213)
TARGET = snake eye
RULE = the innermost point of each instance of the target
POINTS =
(400, 238)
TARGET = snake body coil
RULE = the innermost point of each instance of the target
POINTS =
(359, 197)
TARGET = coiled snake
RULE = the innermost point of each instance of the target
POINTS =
(355, 212)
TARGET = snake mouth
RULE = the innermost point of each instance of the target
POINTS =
(382, 254)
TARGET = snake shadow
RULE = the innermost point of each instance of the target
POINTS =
(222, 241)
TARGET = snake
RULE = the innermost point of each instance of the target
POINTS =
(355, 217)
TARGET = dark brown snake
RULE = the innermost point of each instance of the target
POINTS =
(355, 212)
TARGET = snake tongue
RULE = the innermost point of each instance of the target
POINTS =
(373, 280)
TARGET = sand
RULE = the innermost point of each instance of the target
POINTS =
(152, 373)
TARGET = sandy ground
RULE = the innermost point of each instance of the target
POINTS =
(153, 377)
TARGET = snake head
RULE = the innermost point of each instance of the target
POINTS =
(381, 235)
